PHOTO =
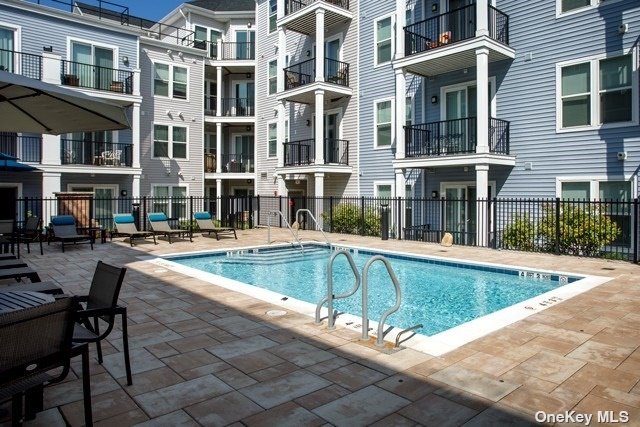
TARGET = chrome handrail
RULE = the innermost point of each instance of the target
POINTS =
(365, 298)
(318, 228)
(330, 297)
(269, 213)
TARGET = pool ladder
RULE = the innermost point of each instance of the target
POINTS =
(275, 213)
(364, 280)
(315, 221)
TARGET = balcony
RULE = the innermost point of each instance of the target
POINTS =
(238, 163)
(299, 15)
(238, 107)
(26, 148)
(454, 142)
(448, 42)
(210, 105)
(300, 80)
(26, 64)
(302, 152)
(238, 51)
(97, 78)
(90, 153)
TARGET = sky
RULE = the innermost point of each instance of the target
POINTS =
(149, 9)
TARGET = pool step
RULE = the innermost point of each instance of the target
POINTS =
(274, 256)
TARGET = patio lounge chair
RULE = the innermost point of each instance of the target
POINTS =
(18, 273)
(44, 287)
(102, 303)
(30, 233)
(65, 230)
(160, 226)
(126, 226)
(27, 368)
(12, 263)
(206, 225)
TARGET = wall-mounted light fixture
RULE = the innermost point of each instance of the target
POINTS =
(169, 51)
(180, 54)
(47, 48)
(248, 75)
(248, 128)
(248, 24)
(434, 99)
(125, 60)
(434, 7)
(308, 52)
(308, 122)
(434, 194)
(123, 193)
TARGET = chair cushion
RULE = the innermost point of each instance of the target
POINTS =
(63, 220)
(202, 215)
(157, 216)
(123, 219)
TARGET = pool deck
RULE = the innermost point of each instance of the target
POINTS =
(205, 355)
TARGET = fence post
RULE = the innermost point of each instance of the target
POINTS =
(399, 218)
(26, 209)
(144, 213)
(330, 214)
(557, 225)
(250, 212)
(191, 217)
(362, 216)
(443, 228)
(635, 230)
(494, 216)
(280, 209)
(258, 208)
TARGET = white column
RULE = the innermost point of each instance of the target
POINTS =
(51, 149)
(401, 183)
(319, 193)
(280, 133)
(282, 186)
(401, 21)
(219, 50)
(482, 194)
(136, 82)
(282, 58)
(482, 79)
(50, 185)
(320, 45)
(482, 18)
(279, 9)
(401, 107)
(135, 135)
(51, 68)
(218, 91)
(218, 198)
(401, 191)
(135, 186)
(319, 136)
(218, 148)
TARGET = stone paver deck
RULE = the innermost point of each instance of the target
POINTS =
(205, 355)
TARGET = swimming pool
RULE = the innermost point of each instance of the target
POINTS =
(442, 294)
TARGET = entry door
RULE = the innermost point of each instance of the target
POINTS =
(456, 214)
(93, 65)
(331, 135)
(7, 46)
(244, 93)
(8, 209)
(214, 36)
(461, 23)
(332, 55)
(211, 93)
(245, 44)
(104, 202)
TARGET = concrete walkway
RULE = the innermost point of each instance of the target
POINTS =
(205, 355)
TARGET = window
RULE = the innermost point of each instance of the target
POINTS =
(172, 200)
(383, 190)
(273, 76)
(597, 92)
(383, 124)
(174, 147)
(273, 15)
(273, 140)
(383, 40)
(576, 191)
(170, 79)
(200, 37)
(100, 75)
(569, 5)
(408, 112)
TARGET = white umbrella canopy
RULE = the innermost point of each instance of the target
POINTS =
(28, 105)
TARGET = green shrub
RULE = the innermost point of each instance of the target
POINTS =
(583, 231)
(347, 219)
(520, 234)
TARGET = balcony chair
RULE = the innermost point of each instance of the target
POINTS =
(125, 225)
(102, 304)
(160, 226)
(40, 341)
(65, 230)
(206, 225)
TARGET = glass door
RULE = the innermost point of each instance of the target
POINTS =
(7, 60)
(331, 135)
(243, 154)
(244, 93)
(245, 44)
(93, 66)
(453, 132)
(462, 22)
(214, 36)
(455, 212)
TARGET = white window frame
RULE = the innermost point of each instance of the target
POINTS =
(170, 127)
(377, 184)
(17, 44)
(375, 123)
(466, 85)
(594, 87)
(270, 123)
(269, 15)
(375, 39)
(594, 183)
(169, 214)
(170, 90)
(593, 4)
(115, 49)
(269, 78)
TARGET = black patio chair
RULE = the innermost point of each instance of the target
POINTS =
(36, 341)
(31, 232)
(102, 303)
(65, 230)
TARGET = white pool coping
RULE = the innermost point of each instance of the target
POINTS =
(435, 345)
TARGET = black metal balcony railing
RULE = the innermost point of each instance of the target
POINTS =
(451, 137)
(451, 27)
(302, 73)
(78, 152)
(302, 152)
(238, 107)
(26, 148)
(210, 47)
(26, 64)
(238, 50)
(291, 6)
(95, 77)
(238, 163)
(210, 105)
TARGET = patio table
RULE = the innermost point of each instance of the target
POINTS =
(18, 300)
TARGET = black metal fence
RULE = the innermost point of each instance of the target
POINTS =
(26, 64)
(336, 72)
(210, 105)
(95, 77)
(238, 107)
(26, 148)
(604, 229)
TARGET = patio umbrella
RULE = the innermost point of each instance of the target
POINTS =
(11, 164)
(28, 105)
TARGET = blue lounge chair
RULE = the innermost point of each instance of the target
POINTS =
(65, 230)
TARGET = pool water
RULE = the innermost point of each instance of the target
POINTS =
(439, 294)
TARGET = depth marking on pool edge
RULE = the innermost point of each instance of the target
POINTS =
(546, 303)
